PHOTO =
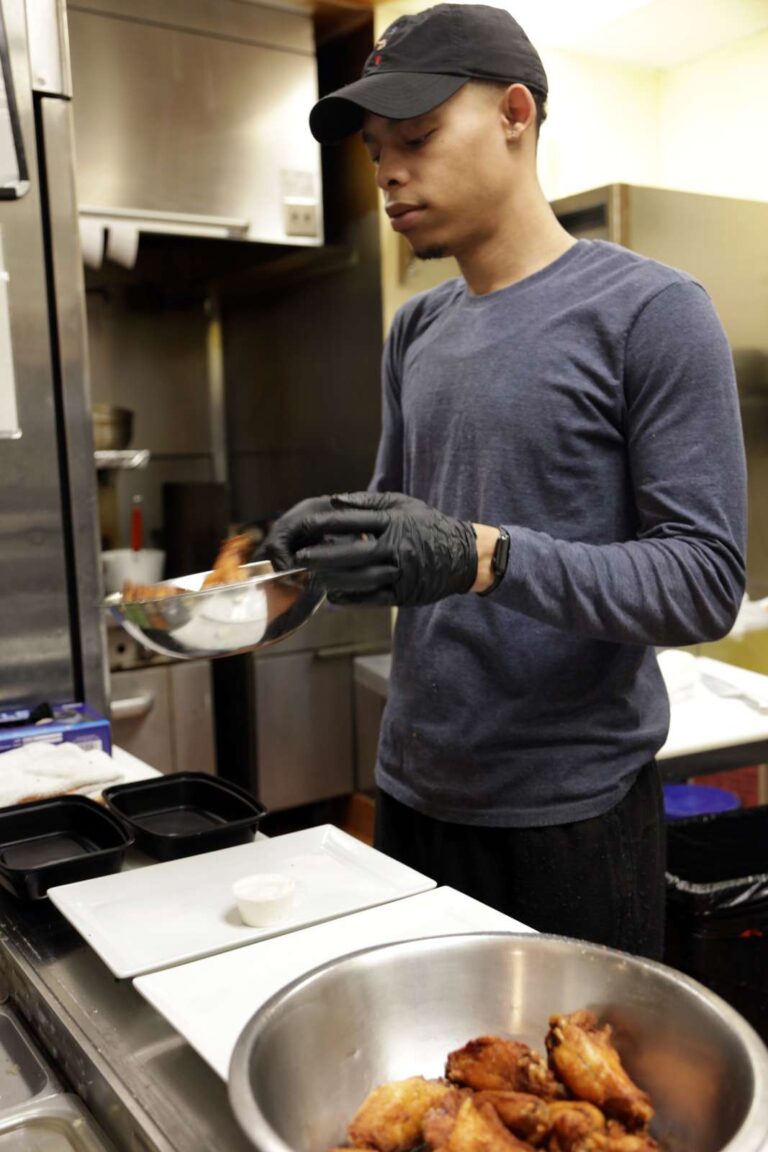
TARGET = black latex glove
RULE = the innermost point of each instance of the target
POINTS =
(376, 548)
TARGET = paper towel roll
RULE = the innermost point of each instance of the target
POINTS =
(122, 244)
(92, 243)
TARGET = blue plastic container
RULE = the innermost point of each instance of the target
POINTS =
(684, 800)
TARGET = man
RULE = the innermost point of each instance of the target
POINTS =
(559, 489)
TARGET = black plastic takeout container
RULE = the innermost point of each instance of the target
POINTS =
(185, 813)
(59, 841)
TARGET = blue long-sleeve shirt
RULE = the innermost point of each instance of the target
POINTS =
(591, 410)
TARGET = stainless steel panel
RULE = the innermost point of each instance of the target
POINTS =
(295, 430)
(146, 728)
(723, 242)
(59, 1124)
(599, 214)
(144, 1084)
(168, 120)
(34, 609)
(49, 47)
(164, 715)
(152, 360)
(236, 19)
(304, 736)
(69, 303)
(25, 1077)
(194, 746)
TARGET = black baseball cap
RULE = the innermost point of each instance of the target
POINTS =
(422, 60)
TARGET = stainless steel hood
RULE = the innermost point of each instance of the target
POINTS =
(191, 119)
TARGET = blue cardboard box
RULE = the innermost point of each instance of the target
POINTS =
(74, 723)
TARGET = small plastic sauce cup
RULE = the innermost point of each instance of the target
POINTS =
(263, 898)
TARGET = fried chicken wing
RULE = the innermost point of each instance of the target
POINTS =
(527, 1116)
(479, 1129)
(591, 1114)
(617, 1139)
(390, 1118)
(492, 1062)
(439, 1121)
(132, 592)
(576, 1127)
(585, 1059)
(227, 567)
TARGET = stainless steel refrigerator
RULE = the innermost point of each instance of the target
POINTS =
(51, 631)
(723, 242)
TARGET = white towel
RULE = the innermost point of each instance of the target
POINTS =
(40, 770)
(681, 674)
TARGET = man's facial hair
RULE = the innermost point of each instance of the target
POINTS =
(438, 252)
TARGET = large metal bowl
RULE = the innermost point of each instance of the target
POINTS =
(310, 1055)
(220, 621)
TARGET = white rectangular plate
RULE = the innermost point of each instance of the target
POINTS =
(210, 1002)
(149, 918)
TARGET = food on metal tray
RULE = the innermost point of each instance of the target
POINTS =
(227, 569)
(499, 1095)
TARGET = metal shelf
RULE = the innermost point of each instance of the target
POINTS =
(124, 458)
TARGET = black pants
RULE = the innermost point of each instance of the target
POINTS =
(600, 880)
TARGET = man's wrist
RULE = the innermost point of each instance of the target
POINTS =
(487, 538)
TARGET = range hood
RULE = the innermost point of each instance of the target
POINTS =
(191, 119)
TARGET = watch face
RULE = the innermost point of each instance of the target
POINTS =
(501, 554)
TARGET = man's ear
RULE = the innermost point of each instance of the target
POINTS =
(518, 111)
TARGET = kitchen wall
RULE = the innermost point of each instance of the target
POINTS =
(712, 122)
(302, 361)
(149, 355)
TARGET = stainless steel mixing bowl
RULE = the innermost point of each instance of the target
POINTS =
(310, 1055)
(223, 620)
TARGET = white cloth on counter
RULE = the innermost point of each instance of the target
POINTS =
(38, 771)
(681, 674)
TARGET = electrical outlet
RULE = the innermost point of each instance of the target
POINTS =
(300, 217)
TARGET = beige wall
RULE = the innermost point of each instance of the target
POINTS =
(698, 127)
(712, 126)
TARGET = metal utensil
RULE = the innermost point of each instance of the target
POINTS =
(200, 623)
(307, 1059)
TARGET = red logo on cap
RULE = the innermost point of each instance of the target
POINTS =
(377, 59)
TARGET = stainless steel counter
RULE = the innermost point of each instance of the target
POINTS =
(144, 1084)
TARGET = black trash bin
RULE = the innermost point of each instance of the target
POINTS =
(717, 906)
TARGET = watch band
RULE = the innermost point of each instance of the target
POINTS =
(499, 561)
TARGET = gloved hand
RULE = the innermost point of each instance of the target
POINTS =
(376, 548)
